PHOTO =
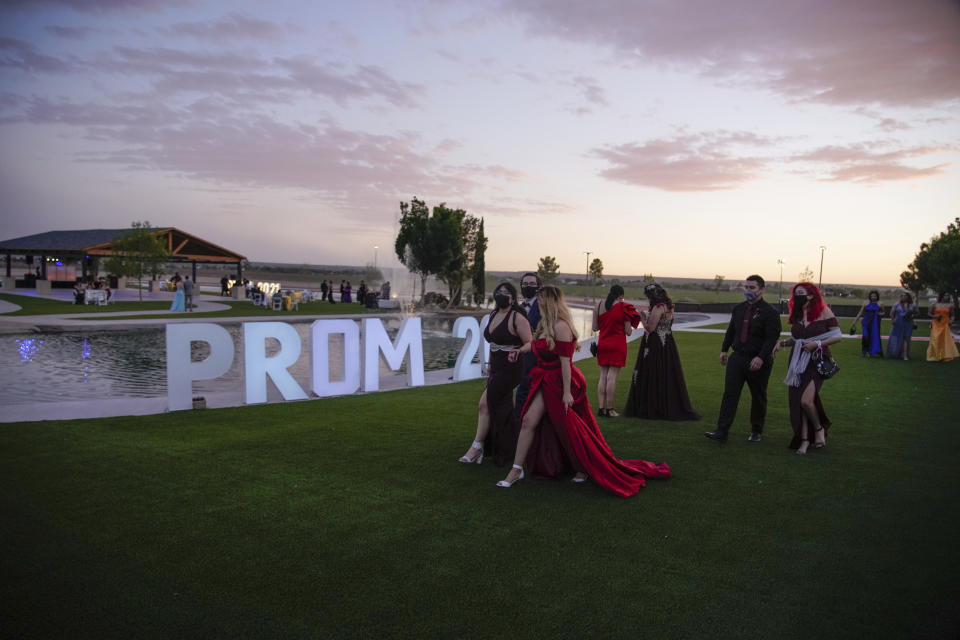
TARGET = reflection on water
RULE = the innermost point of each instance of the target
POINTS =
(88, 365)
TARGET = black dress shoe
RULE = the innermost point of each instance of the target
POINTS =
(755, 437)
(717, 435)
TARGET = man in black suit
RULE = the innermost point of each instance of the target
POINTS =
(530, 284)
(753, 330)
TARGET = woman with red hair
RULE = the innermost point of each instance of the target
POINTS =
(813, 328)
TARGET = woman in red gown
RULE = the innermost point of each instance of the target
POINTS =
(615, 320)
(558, 432)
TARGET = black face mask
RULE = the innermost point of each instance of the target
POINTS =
(799, 299)
(529, 291)
(502, 300)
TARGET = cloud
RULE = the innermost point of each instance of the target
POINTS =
(246, 77)
(447, 145)
(698, 162)
(828, 51)
(366, 81)
(874, 173)
(592, 93)
(19, 54)
(206, 142)
(868, 163)
(96, 6)
(68, 33)
(722, 160)
(519, 207)
(496, 172)
(232, 27)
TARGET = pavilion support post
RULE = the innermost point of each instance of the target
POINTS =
(193, 271)
(9, 282)
(42, 284)
(238, 288)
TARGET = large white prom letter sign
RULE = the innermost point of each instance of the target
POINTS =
(468, 327)
(320, 333)
(257, 366)
(376, 341)
(181, 371)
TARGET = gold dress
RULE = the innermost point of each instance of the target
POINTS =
(942, 346)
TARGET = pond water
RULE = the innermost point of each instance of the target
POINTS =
(86, 365)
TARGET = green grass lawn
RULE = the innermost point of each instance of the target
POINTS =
(31, 306)
(922, 330)
(350, 517)
(703, 296)
(243, 308)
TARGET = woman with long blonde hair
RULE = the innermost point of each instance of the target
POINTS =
(558, 432)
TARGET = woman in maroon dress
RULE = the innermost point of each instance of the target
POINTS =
(615, 320)
(658, 390)
(813, 328)
(558, 431)
(497, 430)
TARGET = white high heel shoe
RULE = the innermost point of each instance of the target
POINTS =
(507, 485)
(479, 458)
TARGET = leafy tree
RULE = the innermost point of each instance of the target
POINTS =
(937, 264)
(718, 282)
(137, 253)
(445, 242)
(910, 280)
(450, 229)
(547, 269)
(806, 275)
(478, 277)
(596, 269)
(372, 275)
(414, 243)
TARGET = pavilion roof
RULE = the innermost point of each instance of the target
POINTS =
(99, 242)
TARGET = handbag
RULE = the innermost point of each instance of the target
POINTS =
(826, 367)
(593, 349)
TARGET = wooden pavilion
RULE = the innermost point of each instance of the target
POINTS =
(87, 245)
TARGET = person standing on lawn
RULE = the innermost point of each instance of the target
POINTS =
(188, 293)
(753, 331)
(530, 285)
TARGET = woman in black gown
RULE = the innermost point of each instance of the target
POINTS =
(658, 390)
(497, 429)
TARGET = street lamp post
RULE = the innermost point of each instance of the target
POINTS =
(820, 281)
(587, 272)
(375, 248)
(781, 262)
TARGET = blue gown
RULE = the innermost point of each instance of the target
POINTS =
(901, 331)
(870, 342)
(178, 304)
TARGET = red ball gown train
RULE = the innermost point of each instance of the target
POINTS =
(571, 440)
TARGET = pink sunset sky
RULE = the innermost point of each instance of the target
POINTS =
(677, 138)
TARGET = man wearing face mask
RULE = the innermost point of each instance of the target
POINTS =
(753, 331)
(530, 284)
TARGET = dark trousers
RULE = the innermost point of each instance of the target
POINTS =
(738, 372)
(523, 389)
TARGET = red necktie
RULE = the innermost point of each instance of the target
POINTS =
(745, 327)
